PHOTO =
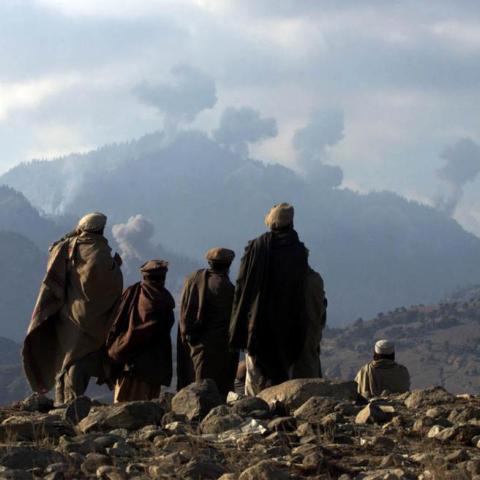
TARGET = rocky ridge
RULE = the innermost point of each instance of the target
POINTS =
(312, 429)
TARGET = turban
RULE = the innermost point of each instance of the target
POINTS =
(279, 216)
(92, 222)
(384, 347)
(221, 255)
(154, 267)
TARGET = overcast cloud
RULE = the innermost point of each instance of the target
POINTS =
(76, 74)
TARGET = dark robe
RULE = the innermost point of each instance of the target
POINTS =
(139, 341)
(268, 317)
(206, 309)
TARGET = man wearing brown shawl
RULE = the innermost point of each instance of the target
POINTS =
(139, 342)
(268, 317)
(206, 307)
(72, 316)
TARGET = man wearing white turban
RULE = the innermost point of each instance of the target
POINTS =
(73, 312)
(382, 374)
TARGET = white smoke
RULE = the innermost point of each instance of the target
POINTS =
(462, 165)
(241, 126)
(134, 239)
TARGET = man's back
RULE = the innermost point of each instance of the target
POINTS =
(382, 375)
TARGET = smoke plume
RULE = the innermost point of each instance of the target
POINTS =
(325, 129)
(241, 126)
(134, 240)
(190, 92)
(462, 165)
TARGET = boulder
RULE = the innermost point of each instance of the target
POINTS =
(220, 420)
(30, 428)
(128, 415)
(251, 406)
(314, 409)
(428, 397)
(264, 470)
(294, 393)
(197, 399)
(372, 413)
(26, 458)
(201, 470)
(36, 403)
(77, 409)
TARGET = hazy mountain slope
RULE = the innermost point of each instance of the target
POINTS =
(375, 251)
(22, 266)
(438, 343)
(18, 215)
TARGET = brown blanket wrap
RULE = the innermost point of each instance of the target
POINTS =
(73, 310)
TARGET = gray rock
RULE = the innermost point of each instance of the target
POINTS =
(428, 397)
(457, 456)
(282, 424)
(34, 428)
(128, 415)
(94, 461)
(201, 470)
(37, 403)
(197, 399)
(294, 393)
(247, 406)
(264, 470)
(372, 413)
(219, 420)
(77, 409)
(314, 409)
(28, 457)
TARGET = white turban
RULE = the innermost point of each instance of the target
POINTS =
(92, 222)
(384, 347)
(280, 216)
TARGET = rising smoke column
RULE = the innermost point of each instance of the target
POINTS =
(462, 165)
(325, 129)
(134, 240)
(242, 126)
(189, 92)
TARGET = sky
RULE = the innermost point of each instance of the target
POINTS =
(402, 79)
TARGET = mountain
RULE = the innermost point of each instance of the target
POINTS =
(439, 344)
(13, 385)
(18, 215)
(22, 267)
(375, 251)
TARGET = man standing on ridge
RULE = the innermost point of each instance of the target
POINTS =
(72, 316)
(383, 373)
(139, 342)
(206, 307)
(269, 318)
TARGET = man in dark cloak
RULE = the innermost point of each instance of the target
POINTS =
(206, 307)
(268, 317)
(139, 342)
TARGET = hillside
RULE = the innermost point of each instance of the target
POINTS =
(438, 343)
(375, 251)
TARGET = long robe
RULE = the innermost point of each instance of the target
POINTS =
(382, 375)
(205, 317)
(269, 312)
(72, 314)
(308, 364)
(139, 341)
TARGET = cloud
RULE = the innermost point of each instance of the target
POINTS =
(242, 126)
(181, 100)
(462, 165)
(325, 129)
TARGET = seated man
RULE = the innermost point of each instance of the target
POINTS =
(383, 373)
(139, 342)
